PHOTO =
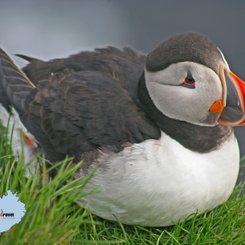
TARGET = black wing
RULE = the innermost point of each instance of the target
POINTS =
(125, 65)
(80, 104)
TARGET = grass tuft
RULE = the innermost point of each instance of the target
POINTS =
(53, 217)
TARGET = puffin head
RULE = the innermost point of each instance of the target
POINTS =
(188, 79)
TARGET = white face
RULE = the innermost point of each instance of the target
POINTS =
(185, 103)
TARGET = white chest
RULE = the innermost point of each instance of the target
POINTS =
(159, 182)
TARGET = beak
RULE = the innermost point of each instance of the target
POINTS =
(233, 113)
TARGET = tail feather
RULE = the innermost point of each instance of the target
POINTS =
(14, 84)
(28, 58)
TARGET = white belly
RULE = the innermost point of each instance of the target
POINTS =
(159, 182)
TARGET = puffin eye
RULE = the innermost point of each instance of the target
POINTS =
(189, 81)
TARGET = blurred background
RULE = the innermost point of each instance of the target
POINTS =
(58, 28)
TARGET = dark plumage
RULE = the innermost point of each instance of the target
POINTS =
(84, 102)
(90, 101)
(185, 47)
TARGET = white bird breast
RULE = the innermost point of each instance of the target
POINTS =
(159, 182)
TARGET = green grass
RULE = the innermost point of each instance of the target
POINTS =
(53, 217)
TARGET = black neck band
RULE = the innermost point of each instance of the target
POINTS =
(196, 138)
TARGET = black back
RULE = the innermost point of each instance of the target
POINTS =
(85, 102)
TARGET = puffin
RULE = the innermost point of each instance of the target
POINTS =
(157, 129)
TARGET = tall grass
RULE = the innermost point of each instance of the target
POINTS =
(53, 217)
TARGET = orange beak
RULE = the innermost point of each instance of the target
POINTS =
(233, 113)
